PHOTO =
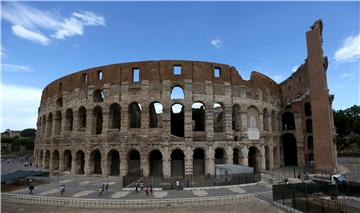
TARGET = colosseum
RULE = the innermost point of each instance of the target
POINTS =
(180, 118)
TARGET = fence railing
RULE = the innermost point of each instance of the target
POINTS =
(315, 197)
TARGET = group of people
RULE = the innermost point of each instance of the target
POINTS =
(147, 189)
(102, 188)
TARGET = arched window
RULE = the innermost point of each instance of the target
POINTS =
(177, 120)
(97, 120)
(198, 116)
(134, 115)
(177, 93)
(155, 115)
(309, 125)
(98, 96)
(115, 116)
(219, 117)
(82, 117)
(266, 120)
(58, 120)
(274, 121)
(69, 120)
(288, 121)
(236, 117)
(49, 126)
(59, 102)
(307, 107)
(310, 143)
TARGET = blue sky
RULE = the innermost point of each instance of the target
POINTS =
(42, 41)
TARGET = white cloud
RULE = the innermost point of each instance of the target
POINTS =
(37, 25)
(19, 106)
(348, 76)
(350, 50)
(216, 42)
(294, 68)
(15, 68)
(36, 37)
(278, 78)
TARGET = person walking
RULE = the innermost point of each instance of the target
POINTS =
(100, 190)
(136, 187)
(31, 188)
(147, 191)
(141, 185)
(106, 187)
(177, 184)
(62, 189)
(151, 189)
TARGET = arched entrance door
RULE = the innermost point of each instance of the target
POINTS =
(96, 161)
(252, 157)
(80, 162)
(67, 160)
(177, 163)
(134, 162)
(155, 160)
(199, 162)
(219, 156)
(114, 163)
(289, 149)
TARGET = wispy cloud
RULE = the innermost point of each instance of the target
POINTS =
(348, 76)
(40, 26)
(217, 42)
(19, 106)
(349, 51)
(15, 68)
(294, 68)
(36, 37)
(278, 78)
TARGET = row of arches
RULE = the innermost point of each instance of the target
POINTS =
(53, 122)
(111, 160)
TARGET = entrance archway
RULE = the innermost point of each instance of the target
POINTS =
(177, 163)
(80, 162)
(95, 157)
(134, 162)
(252, 157)
(47, 159)
(155, 159)
(55, 160)
(289, 149)
(219, 156)
(199, 162)
(114, 163)
(235, 156)
(67, 160)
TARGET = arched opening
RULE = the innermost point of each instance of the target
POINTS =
(67, 160)
(43, 126)
(289, 149)
(47, 159)
(310, 144)
(97, 120)
(274, 121)
(253, 118)
(134, 162)
(115, 116)
(198, 116)
(177, 120)
(177, 163)
(59, 102)
(55, 159)
(252, 156)
(58, 121)
(95, 162)
(156, 160)
(82, 118)
(49, 126)
(98, 96)
(219, 117)
(80, 162)
(155, 115)
(135, 115)
(267, 158)
(199, 162)
(307, 107)
(308, 125)
(177, 93)
(114, 163)
(288, 121)
(236, 156)
(236, 117)
(266, 117)
(220, 156)
(69, 120)
(41, 158)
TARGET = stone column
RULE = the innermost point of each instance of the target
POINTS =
(229, 155)
(210, 162)
(89, 117)
(63, 123)
(244, 159)
(73, 164)
(166, 167)
(300, 140)
(87, 164)
(61, 161)
(261, 158)
(188, 161)
(271, 157)
(188, 127)
(209, 128)
(105, 124)
(123, 165)
(104, 166)
(51, 163)
(145, 165)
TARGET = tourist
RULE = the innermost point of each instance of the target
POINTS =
(141, 185)
(100, 190)
(62, 189)
(136, 187)
(147, 191)
(177, 184)
(151, 189)
(31, 188)
(106, 186)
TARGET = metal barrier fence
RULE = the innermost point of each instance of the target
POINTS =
(315, 197)
(199, 181)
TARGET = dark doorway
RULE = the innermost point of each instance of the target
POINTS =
(235, 156)
(177, 120)
(80, 162)
(199, 162)
(156, 159)
(177, 163)
(135, 115)
(289, 149)
(67, 160)
(219, 156)
(288, 121)
(114, 163)
(198, 116)
(96, 160)
(134, 162)
(252, 157)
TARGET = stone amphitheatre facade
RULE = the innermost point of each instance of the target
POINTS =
(179, 118)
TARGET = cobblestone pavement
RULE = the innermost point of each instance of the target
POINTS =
(87, 187)
(253, 205)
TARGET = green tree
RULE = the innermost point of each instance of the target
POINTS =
(31, 133)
